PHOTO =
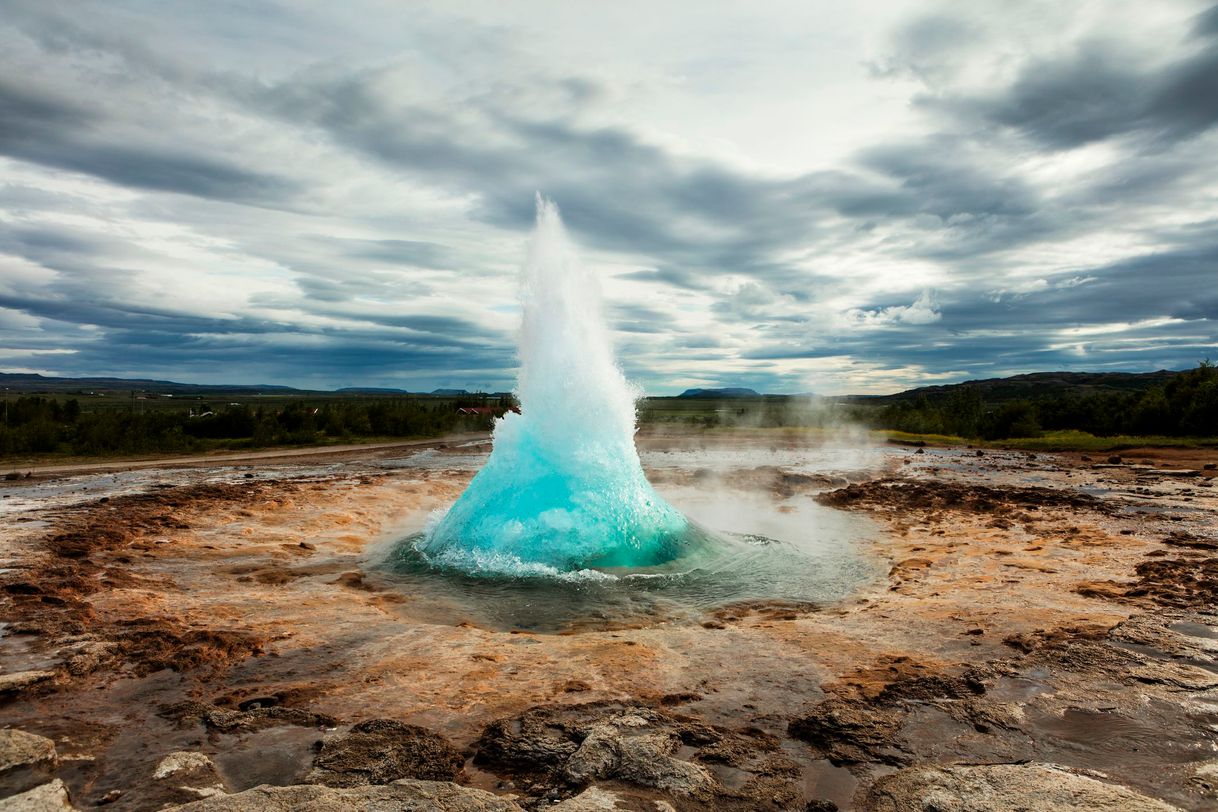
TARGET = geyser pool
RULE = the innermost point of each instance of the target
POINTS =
(760, 548)
(563, 489)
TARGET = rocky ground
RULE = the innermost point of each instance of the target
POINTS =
(1043, 636)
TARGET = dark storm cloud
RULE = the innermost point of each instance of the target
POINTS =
(1206, 23)
(636, 318)
(620, 193)
(1101, 90)
(615, 190)
(1160, 285)
(676, 277)
(44, 130)
(399, 252)
(756, 252)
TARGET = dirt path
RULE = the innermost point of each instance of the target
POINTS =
(295, 455)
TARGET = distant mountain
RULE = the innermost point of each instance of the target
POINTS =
(1038, 384)
(728, 392)
(21, 382)
(371, 390)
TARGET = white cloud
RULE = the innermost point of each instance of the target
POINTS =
(923, 310)
(344, 202)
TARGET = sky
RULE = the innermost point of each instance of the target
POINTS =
(795, 196)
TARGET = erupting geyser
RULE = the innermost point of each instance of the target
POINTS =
(563, 489)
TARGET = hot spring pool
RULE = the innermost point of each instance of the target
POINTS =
(750, 546)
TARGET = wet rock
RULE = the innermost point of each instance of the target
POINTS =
(379, 751)
(1115, 459)
(87, 656)
(400, 796)
(155, 645)
(820, 806)
(864, 724)
(595, 799)
(625, 748)
(193, 773)
(557, 750)
(1206, 777)
(1000, 788)
(1182, 538)
(224, 720)
(901, 495)
(852, 732)
(1177, 582)
(26, 761)
(20, 680)
(52, 797)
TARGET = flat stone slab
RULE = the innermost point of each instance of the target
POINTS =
(1002, 788)
(26, 760)
(400, 796)
(52, 797)
(19, 680)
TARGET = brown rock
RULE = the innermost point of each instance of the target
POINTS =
(1001, 788)
(26, 761)
(400, 796)
(379, 751)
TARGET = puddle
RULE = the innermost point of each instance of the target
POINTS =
(279, 756)
(825, 782)
(1111, 742)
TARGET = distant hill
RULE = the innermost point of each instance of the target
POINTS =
(1038, 384)
(371, 390)
(993, 390)
(728, 392)
(21, 382)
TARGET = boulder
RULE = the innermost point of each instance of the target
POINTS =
(192, 772)
(595, 799)
(1001, 788)
(400, 796)
(628, 748)
(26, 761)
(20, 680)
(52, 797)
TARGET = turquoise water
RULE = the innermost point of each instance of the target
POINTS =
(738, 547)
(537, 509)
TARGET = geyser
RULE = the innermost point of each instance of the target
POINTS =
(563, 489)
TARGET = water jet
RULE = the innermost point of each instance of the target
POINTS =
(563, 489)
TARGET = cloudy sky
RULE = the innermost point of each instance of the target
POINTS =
(794, 196)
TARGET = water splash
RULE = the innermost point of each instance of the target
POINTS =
(563, 490)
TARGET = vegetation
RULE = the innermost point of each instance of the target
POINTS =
(1042, 411)
(1185, 405)
(41, 425)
